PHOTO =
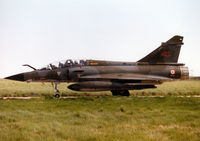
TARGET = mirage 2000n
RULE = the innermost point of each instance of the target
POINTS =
(118, 77)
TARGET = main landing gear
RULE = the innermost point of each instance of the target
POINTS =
(57, 95)
(120, 93)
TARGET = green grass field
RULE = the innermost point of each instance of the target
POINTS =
(91, 117)
(108, 118)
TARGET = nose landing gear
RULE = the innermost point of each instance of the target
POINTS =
(57, 94)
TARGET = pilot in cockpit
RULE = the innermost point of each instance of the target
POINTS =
(68, 63)
(82, 62)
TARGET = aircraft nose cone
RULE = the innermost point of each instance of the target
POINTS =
(17, 77)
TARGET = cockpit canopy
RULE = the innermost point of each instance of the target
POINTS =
(79, 63)
(65, 63)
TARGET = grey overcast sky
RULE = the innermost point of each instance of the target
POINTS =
(38, 32)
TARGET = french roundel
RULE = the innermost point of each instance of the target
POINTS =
(172, 72)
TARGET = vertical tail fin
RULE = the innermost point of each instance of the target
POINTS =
(168, 52)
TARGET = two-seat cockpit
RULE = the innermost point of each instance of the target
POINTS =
(64, 64)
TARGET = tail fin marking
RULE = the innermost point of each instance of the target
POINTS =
(168, 52)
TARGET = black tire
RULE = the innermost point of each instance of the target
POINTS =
(126, 93)
(57, 96)
(115, 93)
(120, 93)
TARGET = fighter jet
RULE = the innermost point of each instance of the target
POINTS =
(118, 77)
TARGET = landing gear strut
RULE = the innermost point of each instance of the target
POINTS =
(57, 95)
(120, 93)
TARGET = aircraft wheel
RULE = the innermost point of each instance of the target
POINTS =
(57, 96)
(120, 93)
(115, 93)
(126, 93)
